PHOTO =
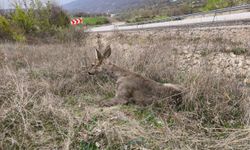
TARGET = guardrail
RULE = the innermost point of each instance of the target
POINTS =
(215, 12)
(197, 18)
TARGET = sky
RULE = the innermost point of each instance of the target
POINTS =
(6, 3)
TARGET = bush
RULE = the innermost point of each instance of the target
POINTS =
(5, 31)
(8, 32)
(58, 17)
(218, 4)
(37, 21)
(50, 18)
(24, 20)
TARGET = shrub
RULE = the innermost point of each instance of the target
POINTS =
(58, 17)
(5, 31)
(24, 20)
(18, 37)
(9, 33)
(217, 4)
(36, 21)
(43, 14)
(49, 17)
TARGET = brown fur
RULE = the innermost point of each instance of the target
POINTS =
(132, 87)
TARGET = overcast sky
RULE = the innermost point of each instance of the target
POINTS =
(6, 3)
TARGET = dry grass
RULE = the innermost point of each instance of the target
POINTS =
(48, 101)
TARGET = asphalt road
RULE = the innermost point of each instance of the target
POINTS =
(189, 21)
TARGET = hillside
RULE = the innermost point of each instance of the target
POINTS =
(102, 6)
(132, 9)
(162, 9)
(112, 6)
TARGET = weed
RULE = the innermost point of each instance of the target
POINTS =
(205, 52)
(148, 117)
(88, 146)
(239, 51)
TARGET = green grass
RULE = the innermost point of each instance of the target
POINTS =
(219, 4)
(95, 20)
(239, 51)
(148, 18)
(160, 17)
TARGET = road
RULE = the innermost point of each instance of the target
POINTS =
(184, 22)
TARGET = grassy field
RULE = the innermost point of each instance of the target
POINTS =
(48, 101)
(141, 19)
(95, 20)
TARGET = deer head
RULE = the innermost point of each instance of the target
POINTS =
(101, 63)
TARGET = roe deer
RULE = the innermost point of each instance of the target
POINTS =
(132, 87)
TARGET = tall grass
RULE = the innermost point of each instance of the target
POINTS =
(47, 100)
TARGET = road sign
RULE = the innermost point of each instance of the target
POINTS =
(76, 21)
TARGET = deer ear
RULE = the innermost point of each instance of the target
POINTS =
(98, 55)
(107, 52)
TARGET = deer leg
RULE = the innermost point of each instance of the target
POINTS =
(122, 97)
(114, 101)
